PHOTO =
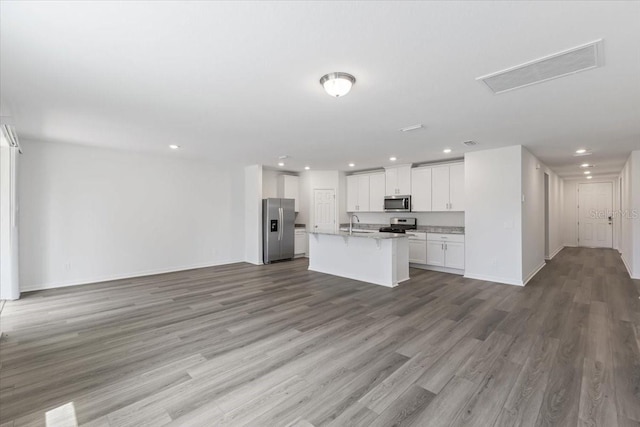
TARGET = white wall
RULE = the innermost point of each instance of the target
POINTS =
(635, 211)
(453, 219)
(493, 215)
(532, 215)
(630, 218)
(253, 214)
(270, 183)
(90, 214)
(556, 210)
(9, 222)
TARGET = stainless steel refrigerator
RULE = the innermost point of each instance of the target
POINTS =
(278, 224)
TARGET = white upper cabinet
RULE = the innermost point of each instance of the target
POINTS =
(456, 187)
(288, 188)
(440, 188)
(398, 180)
(376, 192)
(352, 193)
(358, 193)
(421, 189)
(447, 187)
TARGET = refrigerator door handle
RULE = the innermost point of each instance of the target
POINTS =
(281, 220)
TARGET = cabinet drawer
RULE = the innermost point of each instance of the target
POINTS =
(445, 237)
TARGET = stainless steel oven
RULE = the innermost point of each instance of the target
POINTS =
(397, 204)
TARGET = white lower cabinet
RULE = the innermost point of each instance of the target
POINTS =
(445, 250)
(435, 253)
(300, 243)
(417, 247)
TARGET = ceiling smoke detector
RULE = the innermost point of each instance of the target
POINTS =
(470, 143)
(412, 127)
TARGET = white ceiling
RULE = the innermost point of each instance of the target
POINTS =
(239, 81)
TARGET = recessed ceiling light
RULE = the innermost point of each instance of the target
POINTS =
(351, 165)
(337, 84)
(393, 159)
(589, 177)
(307, 168)
(280, 163)
(581, 151)
(174, 146)
(446, 150)
(587, 172)
(585, 165)
(412, 127)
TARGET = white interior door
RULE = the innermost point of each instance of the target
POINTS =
(324, 208)
(595, 207)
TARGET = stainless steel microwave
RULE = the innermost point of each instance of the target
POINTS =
(397, 204)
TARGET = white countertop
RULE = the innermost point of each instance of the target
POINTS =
(362, 234)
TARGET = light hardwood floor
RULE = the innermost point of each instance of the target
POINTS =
(279, 345)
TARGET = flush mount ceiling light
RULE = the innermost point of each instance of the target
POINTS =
(280, 164)
(337, 84)
(582, 152)
(586, 165)
(446, 150)
(587, 172)
(307, 168)
(589, 177)
(174, 146)
(351, 165)
(393, 159)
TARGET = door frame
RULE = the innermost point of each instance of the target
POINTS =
(312, 215)
(577, 210)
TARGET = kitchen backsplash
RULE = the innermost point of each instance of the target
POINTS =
(453, 219)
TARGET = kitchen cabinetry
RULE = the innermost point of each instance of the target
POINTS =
(288, 189)
(365, 192)
(445, 250)
(447, 187)
(421, 189)
(376, 192)
(417, 247)
(398, 180)
(358, 193)
(300, 242)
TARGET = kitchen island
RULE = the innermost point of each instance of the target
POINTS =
(379, 258)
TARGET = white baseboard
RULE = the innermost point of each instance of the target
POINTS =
(626, 265)
(112, 277)
(554, 253)
(496, 279)
(530, 276)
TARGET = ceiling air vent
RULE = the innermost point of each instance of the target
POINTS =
(581, 58)
(470, 143)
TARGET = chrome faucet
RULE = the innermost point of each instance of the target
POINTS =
(351, 222)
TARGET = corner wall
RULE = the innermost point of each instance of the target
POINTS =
(91, 214)
(532, 215)
(493, 215)
(630, 215)
(253, 214)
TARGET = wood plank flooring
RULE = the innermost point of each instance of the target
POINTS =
(279, 345)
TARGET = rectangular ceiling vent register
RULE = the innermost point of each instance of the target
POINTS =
(571, 61)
